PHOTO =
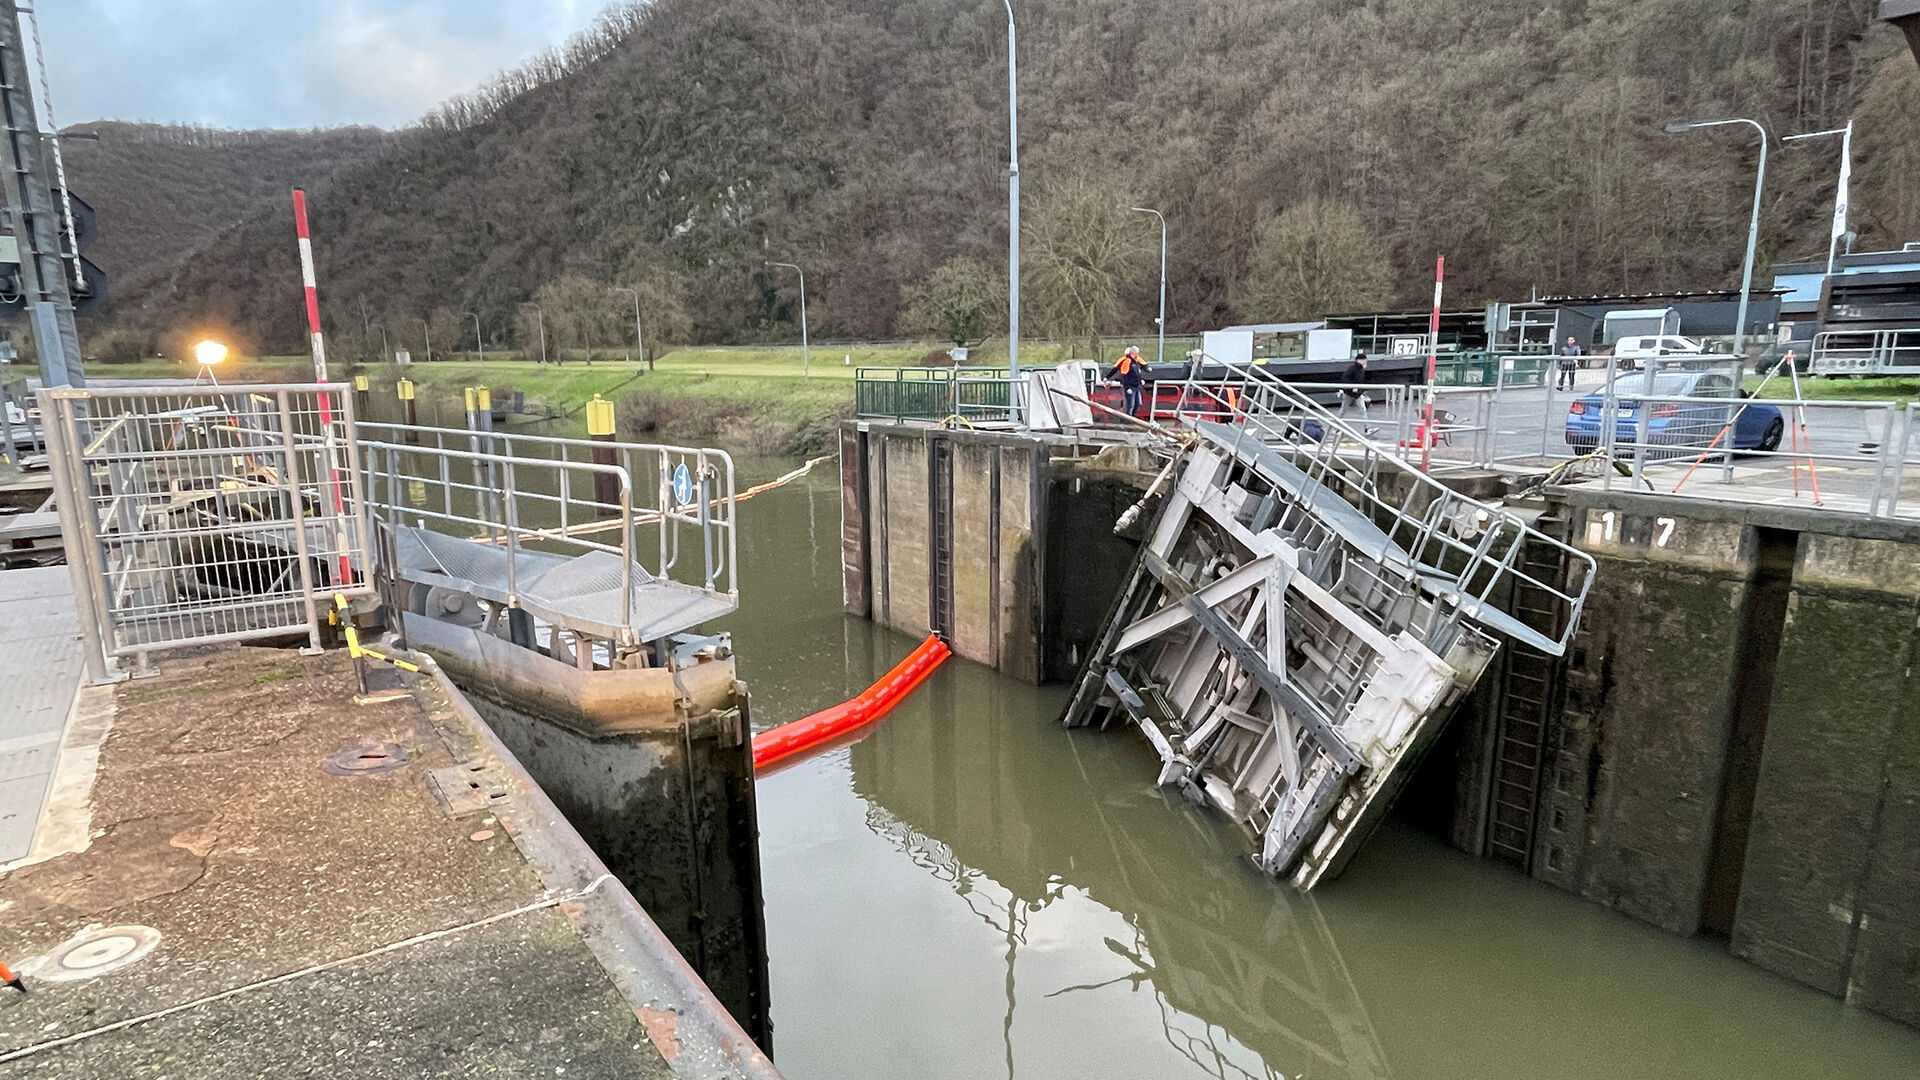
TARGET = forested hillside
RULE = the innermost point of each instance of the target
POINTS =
(161, 191)
(682, 145)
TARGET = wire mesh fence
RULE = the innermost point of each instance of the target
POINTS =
(207, 515)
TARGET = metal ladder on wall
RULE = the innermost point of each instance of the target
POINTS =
(940, 537)
(1529, 695)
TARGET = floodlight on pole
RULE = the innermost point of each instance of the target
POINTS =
(1160, 354)
(209, 354)
(1753, 222)
(806, 356)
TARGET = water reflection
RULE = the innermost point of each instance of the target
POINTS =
(1238, 989)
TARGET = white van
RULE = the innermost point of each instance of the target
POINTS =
(1629, 351)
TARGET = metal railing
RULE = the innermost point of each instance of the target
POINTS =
(1464, 549)
(203, 515)
(907, 393)
(1866, 352)
(1847, 456)
(666, 512)
(21, 439)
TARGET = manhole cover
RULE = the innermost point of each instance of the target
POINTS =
(367, 759)
(97, 952)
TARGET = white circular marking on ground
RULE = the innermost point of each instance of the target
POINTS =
(97, 952)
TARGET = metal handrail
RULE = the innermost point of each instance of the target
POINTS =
(510, 501)
(1346, 460)
(710, 510)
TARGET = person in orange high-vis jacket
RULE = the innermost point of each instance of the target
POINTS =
(1131, 372)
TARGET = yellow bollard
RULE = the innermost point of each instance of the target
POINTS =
(606, 485)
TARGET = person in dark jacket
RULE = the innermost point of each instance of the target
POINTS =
(1353, 392)
(1569, 364)
(1130, 372)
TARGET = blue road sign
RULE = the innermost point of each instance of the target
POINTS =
(682, 484)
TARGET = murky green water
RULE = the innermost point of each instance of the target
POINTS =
(972, 891)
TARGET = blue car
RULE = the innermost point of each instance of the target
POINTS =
(1678, 424)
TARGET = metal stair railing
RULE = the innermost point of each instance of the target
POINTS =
(1466, 550)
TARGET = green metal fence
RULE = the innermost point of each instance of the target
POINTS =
(1479, 368)
(909, 393)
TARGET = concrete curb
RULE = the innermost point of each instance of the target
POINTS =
(695, 1034)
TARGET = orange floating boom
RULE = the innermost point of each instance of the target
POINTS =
(778, 744)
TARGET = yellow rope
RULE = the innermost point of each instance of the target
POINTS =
(357, 650)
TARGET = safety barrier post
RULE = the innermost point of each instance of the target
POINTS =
(410, 414)
(606, 486)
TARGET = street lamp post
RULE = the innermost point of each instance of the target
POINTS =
(1840, 206)
(427, 331)
(1013, 217)
(1753, 223)
(386, 350)
(639, 342)
(806, 356)
(478, 338)
(1160, 354)
(540, 318)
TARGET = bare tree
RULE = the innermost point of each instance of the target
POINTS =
(1082, 248)
(1313, 259)
(963, 301)
(1889, 153)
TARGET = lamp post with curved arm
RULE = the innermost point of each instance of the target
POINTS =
(478, 338)
(1753, 223)
(1160, 354)
(540, 318)
(806, 363)
(1013, 217)
(639, 342)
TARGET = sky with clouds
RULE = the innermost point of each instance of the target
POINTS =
(286, 63)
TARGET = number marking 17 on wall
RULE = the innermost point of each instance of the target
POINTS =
(1608, 529)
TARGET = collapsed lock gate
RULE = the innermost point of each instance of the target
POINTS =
(1305, 613)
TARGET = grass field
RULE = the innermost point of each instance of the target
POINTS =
(1838, 389)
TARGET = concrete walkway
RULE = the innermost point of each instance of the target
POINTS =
(40, 666)
(284, 880)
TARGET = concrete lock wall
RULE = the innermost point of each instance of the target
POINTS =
(945, 531)
(1736, 750)
(1830, 895)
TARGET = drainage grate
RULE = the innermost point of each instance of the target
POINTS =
(367, 759)
(96, 952)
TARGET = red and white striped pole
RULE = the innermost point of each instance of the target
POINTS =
(335, 496)
(313, 292)
(1433, 364)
